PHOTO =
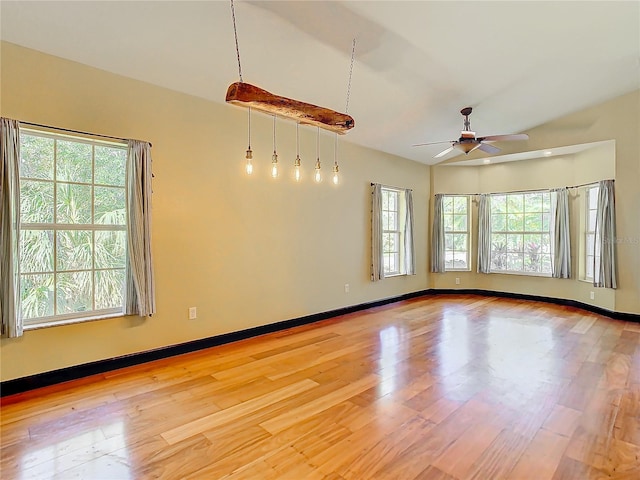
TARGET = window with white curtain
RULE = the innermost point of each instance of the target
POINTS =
(591, 250)
(393, 214)
(521, 233)
(456, 220)
(73, 227)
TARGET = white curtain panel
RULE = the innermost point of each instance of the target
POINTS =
(11, 323)
(484, 234)
(561, 267)
(437, 237)
(605, 233)
(409, 253)
(377, 265)
(140, 298)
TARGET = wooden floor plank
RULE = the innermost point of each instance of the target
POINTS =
(448, 387)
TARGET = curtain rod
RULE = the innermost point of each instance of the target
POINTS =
(517, 191)
(390, 186)
(74, 131)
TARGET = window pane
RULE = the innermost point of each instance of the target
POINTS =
(393, 221)
(515, 262)
(589, 265)
(546, 201)
(36, 157)
(499, 203)
(36, 294)
(448, 241)
(460, 223)
(460, 205)
(36, 201)
(514, 243)
(74, 203)
(36, 251)
(590, 244)
(592, 220)
(545, 222)
(460, 241)
(515, 222)
(73, 162)
(109, 288)
(593, 197)
(73, 292)
(74, 250)
(447, 205)
(515, 203)
(545, 266)
(110, 166)
(448, 223)
(460, 260)
(533, 255)
(533, 222)
(110, 249)
(110, 206)
(533, 202)
(393, 200)
(385, 199)
(498, 223)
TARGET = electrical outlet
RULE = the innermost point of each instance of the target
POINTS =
(592, 295)
(346, 288)
(457, 280)
(193, 313)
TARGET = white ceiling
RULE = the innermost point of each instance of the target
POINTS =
(519, 64)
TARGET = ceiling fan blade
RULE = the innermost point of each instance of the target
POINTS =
(444, 152)
(430, 143)
(504, 138)
(488, 148)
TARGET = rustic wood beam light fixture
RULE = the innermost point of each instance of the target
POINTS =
(255, 98)
(247, 95)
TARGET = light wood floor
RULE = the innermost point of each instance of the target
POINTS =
(439, 388)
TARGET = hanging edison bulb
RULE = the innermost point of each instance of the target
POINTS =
(274, 158)
(249, 166)
(318, 176)
(296, 163)
(335, 178)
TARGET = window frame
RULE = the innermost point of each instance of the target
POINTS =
(466, 232)
(523, 232)
(590, 257)
(56, 226)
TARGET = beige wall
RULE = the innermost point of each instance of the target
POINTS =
(617, 120)
(253, 251)
(244, 251)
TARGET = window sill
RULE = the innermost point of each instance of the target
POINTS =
(71, 321)
(391, 275)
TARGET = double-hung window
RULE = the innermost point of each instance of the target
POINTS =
(591, 251)
(392, 231)
(521, 233)
(455, 216)
(73, 238)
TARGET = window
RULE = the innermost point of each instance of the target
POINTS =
(592, 253)
(72, 227)
(455, 212)
(393, 216)
(520, 233)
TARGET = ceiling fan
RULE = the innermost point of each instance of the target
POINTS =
(468, 141)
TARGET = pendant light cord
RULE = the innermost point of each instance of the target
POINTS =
(235, 32)
(353, 56)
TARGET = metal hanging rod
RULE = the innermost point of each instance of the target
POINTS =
(79, 132)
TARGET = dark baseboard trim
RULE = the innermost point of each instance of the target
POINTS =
(46, 379)
(629, 317)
